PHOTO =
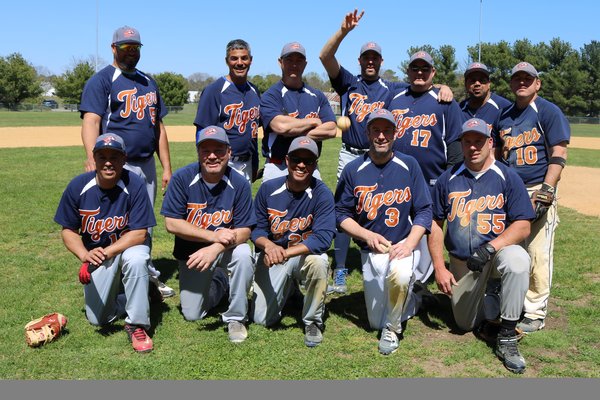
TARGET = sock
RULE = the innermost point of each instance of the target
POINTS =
(507, 328)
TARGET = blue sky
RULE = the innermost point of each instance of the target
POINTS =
(188, 37)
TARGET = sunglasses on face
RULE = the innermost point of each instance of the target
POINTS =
(306, 161)
(421, 69)
(129, 47)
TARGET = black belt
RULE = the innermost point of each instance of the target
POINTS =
(354, 150)
(242, 157)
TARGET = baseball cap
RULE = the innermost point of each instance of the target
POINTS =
(110, 141)
(382, 113)
(525, 67)
(306, 143)
(421, 55)
(212, 132)
(126, 34)
(370, 46)
(293, 47)
(477, 67)
(475, 125)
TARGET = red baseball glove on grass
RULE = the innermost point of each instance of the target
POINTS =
(44, 330)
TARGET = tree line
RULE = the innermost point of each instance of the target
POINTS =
(570, 77)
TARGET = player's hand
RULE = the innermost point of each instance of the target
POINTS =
(274, 254)
(444, 280)
(351, 20)
(400, 250)
(96, 256)
(226, 237)
(166, 178)
(202, 259)
(445, 95)
(481, 256)
(89, 165)
(378, 243)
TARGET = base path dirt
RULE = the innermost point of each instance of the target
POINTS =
(579, 187)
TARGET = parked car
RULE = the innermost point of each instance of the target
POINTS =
(50, 103)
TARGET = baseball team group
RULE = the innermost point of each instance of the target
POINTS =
(419, 174)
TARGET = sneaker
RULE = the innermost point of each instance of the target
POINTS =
(237, 332)
(312, 335)
(339, 281)
(508, 351)
(528, 325)
(165, 290)
(140, 341)
(388, 342)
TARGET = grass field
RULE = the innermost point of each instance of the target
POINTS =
(42, 277)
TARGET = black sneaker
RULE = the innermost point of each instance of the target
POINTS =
(508, 351)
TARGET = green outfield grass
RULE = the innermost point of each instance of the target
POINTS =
(41, 277)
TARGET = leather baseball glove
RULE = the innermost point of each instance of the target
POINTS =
(45, 329)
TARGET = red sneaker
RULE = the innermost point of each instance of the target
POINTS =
(140, 341)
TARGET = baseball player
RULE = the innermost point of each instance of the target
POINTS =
(427, 130)
(481, 102)
(105, 215)
(532, 136)
(383, 202)
(488, 212)
(295, 224)
(290, 108)
(123, 100)
(233, 103)
(208, 207)
(360, 95)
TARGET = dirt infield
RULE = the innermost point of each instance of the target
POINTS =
(579, 187)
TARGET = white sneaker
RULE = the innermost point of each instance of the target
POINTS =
(388, 342)
(165, 290)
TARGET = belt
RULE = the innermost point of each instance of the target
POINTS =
(354, 150)
(242, 157)
(274, 160)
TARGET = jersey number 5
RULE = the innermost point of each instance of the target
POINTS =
(490, 222)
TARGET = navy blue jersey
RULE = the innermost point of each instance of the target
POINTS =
(526, 137)
(358, 99)
(425, 128)
(130, 106)
(306, 102)
(478, 210)
(488, 112)
(234, 108)
(102, 216)
(387, 199)
(287, 218)
(227, 205)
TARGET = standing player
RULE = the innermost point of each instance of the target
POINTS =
(532, 137)
(233, 103)
(383, 202)
(360, 95)
(427, 130)
(123, 100)
(290, 108)
(105, 215)
(295, 224)
(488, 213)
(481, 102)
(208, 207)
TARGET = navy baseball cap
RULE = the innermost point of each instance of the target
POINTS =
(525, 67)
(110, 141)
(370, 46)
(212, 132)
(293, 47)
(306, 143)
(475, 125)
(421, 55)
(382, 113)
(126, 34)
(477, 67)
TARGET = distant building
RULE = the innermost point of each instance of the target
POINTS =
(334, 102)
(193, 96)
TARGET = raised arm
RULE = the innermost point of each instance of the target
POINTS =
(327, 55)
